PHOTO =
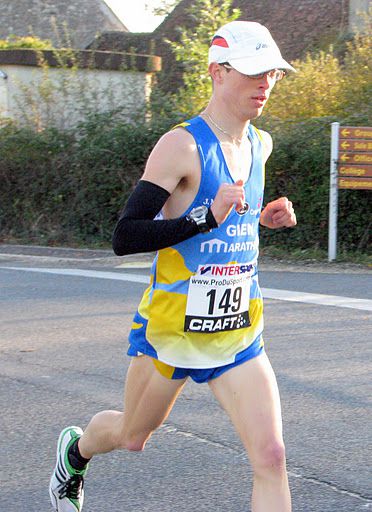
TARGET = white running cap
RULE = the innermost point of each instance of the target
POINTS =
(248, 47)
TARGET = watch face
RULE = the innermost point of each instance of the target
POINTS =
(198, 213)
(201, 211)
(199, 216)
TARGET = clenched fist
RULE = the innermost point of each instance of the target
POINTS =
(228, 196)
(278, 214)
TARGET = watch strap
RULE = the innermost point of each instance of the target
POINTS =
(211, 221)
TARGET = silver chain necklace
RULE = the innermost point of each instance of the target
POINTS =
(234, 139)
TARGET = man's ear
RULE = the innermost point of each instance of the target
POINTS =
(216, 72)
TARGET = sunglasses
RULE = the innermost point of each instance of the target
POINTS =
(273, 74)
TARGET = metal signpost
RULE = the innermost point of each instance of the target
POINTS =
(351, 168)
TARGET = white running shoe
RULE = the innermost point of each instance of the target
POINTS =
(66, 484)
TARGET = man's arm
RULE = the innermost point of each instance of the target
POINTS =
(171, 162)
(136, 230)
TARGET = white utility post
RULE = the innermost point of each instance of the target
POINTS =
(333, 194)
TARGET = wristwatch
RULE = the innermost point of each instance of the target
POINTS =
(199, 216)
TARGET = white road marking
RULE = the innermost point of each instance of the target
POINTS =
(268, 293)
(117, 276)
(318, 298)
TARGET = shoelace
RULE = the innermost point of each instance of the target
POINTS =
(71, 488)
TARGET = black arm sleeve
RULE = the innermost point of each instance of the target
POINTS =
(137, 231)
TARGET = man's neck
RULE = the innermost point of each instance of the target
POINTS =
(225, 123)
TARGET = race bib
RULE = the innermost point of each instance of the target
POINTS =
(218, 298)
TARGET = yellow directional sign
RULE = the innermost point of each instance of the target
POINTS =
(355, 157)
(355, 145)
(355, 132)
(350, 168)
(355, 170)
(355, 183)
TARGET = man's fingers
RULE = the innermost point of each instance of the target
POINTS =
(285, 218)
(279, 214)
(228, 197)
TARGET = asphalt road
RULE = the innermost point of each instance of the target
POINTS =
(62, 344)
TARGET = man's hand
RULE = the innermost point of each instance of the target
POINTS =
(228, 196)
(278, 214)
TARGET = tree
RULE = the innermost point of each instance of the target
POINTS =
(327, 84)
(164, 7)
(34, 42)
(192, 51)
(314, 91)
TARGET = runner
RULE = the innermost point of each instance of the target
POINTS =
(202, 315)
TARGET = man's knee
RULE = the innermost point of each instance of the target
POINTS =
(270, 458)
(135, 445)
(133, 442)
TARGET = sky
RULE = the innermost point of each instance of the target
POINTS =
(135, 15)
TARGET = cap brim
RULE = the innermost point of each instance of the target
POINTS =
(254, 66)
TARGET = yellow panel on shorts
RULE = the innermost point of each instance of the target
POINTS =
(164, 369)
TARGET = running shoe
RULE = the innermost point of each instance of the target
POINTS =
(66, 484)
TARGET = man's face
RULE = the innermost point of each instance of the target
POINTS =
(246, 95)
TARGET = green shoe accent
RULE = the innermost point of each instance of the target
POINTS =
(69, 468)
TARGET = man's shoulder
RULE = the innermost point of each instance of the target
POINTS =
(174, 157)
(265, 136)
(267, 142)
(177, 139)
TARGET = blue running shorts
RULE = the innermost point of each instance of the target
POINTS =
(202, 375)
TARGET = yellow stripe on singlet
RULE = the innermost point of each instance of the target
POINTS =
(259, 134)
(180, 125)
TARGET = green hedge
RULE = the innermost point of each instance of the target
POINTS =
(64, 187)
(68, 186)
(299, 168)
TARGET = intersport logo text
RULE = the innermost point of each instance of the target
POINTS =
(225, 270)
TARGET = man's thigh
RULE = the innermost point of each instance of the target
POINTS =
(250, 396)
(148, 396)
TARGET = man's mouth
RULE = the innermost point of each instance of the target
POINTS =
(259, 101)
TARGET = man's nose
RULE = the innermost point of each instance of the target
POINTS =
(266, 82)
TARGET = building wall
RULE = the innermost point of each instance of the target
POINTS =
(4, 103)
(51, 19)
(62, 97)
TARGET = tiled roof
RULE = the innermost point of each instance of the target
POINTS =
(298, 26)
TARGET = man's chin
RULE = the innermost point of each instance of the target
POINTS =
(257, 113)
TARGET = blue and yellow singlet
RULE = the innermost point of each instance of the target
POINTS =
(204, 305)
